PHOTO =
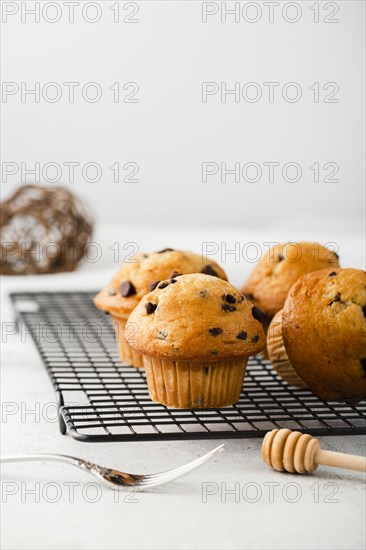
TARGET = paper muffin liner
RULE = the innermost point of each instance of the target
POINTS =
(278, 355)
(126, 353)
(195, 385)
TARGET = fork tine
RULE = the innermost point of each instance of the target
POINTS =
(169, 475)
(186, 467)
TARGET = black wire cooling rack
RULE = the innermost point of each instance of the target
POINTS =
(102, 399)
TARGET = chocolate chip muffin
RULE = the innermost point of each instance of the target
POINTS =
(273, 276)
(196, 333)
(139, 276)
(324, 332)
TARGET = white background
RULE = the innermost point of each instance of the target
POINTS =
(170, 132)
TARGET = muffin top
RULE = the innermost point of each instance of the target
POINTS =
(276, 272)
(195, 317)
(143, 272)
(324, 331)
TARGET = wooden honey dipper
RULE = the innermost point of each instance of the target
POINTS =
(294, 452)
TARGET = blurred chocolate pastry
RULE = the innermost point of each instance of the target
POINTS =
(43, 230)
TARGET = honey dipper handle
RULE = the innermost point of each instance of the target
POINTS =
(341, 460)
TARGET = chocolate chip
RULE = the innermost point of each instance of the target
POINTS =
(255, 338)
(214, 352)
(206, 370)
(107, 312)
(203, 293)
(258, 314)
(250, 296)
(281, 257)
(227, 307)
(165, 250)
(242, 335)
(209, 270)
(163, 285)
(111, 292)
(152, 286)
(363, 364)
(172, 281)
(127, 289)
(150, 307)
(174, 274)
(229, 298)
(337, 298)
(216, 331)
(332, 274)
(364, 311)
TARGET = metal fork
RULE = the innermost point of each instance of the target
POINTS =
(114, 477)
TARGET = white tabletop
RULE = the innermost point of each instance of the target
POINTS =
(233, 501)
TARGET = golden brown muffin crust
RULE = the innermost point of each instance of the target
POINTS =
(324, 331)
(143, 271)
(273, 276)
(196, 317)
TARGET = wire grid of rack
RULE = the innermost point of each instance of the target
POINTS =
(102, 399)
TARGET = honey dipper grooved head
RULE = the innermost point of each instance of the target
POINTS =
(287, 451)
